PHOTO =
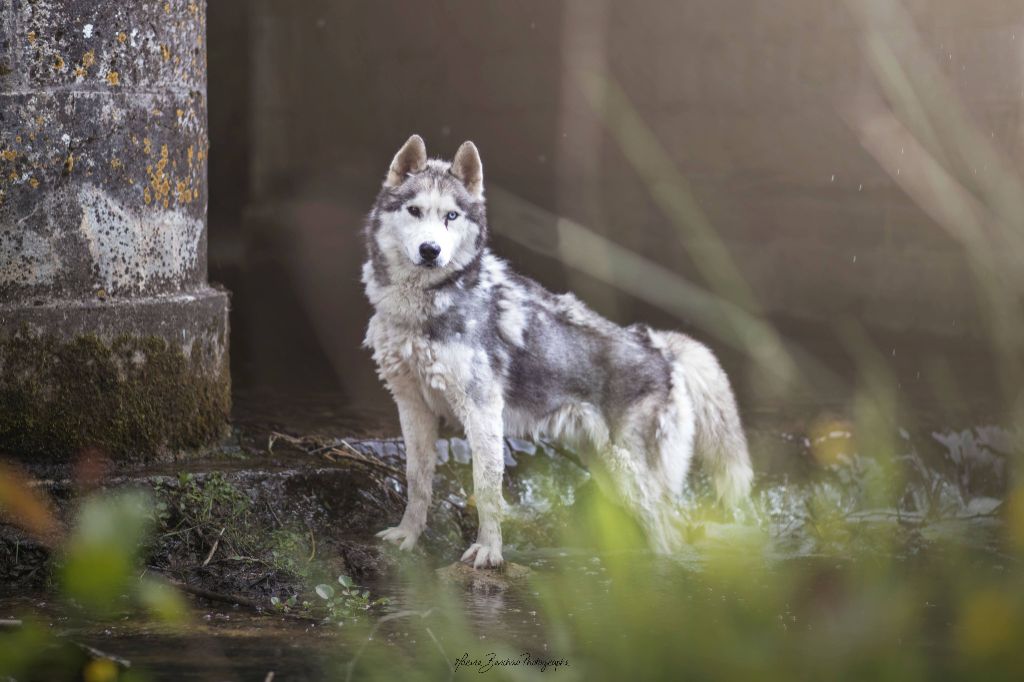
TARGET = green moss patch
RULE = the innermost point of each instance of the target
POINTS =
(129, 397)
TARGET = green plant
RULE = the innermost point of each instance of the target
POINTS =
(290, 551)
(198, 511)
(347, 603)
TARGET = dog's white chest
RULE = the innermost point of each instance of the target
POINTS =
(403, 352)
(440, 370)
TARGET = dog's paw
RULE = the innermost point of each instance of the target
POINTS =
(403, 537)
(483, 556)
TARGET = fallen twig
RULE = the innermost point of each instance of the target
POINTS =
(344, 450)
(216, 543)
(233, 599)
(355, 454)
(96, 653)
(10, 623)
(216, 596)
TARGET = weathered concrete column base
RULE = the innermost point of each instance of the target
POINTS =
(128, 378)
(110, 336)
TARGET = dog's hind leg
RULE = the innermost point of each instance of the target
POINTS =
(484, 430)
(643, 492)
(419, 430)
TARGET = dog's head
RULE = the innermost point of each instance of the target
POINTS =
(430, 215)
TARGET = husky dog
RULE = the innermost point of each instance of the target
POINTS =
(457, 335)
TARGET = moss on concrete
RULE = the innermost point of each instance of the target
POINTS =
(128, 397)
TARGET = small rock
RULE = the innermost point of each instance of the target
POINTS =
(487, 579)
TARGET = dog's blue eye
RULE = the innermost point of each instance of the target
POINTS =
(452, 215)
(414, 211)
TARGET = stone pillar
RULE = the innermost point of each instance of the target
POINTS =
(110, 336)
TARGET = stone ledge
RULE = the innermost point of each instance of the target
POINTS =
(133, 379)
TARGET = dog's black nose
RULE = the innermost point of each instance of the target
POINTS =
(429, 251)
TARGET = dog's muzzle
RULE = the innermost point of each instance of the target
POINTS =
(429, 251)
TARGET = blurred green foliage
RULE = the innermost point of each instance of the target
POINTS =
(98, 572)
(946, 612)
(100, 561)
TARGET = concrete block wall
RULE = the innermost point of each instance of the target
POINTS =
(750, 101)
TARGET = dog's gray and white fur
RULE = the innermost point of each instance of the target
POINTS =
(457, 335)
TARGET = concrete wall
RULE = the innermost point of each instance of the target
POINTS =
(750, 101)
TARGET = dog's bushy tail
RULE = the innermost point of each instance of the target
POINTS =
(719, 438)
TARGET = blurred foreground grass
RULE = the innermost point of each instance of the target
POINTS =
(96, 573)
(864, 602)
(942, 614)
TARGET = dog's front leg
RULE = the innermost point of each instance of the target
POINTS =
(419, 430)
(484, 430)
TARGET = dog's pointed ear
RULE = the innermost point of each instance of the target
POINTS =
(411, 158)
(466, 166)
